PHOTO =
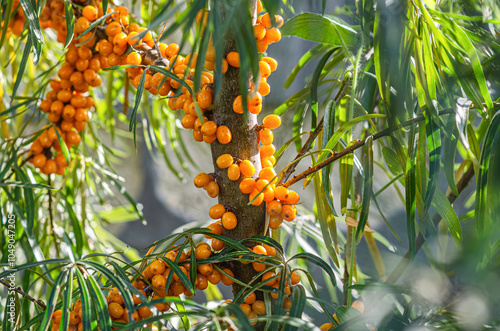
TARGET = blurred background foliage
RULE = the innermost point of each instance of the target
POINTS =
(398, 98)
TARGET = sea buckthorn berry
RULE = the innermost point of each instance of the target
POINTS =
(281, 193)
(201, 282)
(247, 185)
(264, 69)
(112, 29)
(288, 212)
(273, 35)
(246, 308)
(254, 100)
(229, 220)
(66, 125)
(202, 179)
(271, 251)
(259, 32)
(50, 167)
(269, 194)
(84, 53)
(259, 249)
(250, 298)
(274, 208)
(144, 312)
(134, 58)
(224, 135)
(273, 64)
(172, 49)
(271, 121)
(81, 24)
(259, 197)
(262, 45)
(233, 172)
(238, 105)
(216, 211)
(279, 21)
(293, 198)
(217, 245)
(224, 161)
(259, 307)
(56, 317)
(261, 184)
(247, 168)
(268, 275)
(73, 138)
(209, 128)
(215, 228)
(275, 221)
(159, 282)
(202, 251)
(205, 269)
(214, 277)
(225, 279)
(60, 160)
(64, 96)
(81, 114)
(120, 39)
(95, 63)
(255, 109)
(205, 99)
(209, 139)
(197, 135)
(212, 189)
(39, 160)
(68, 112)
(45, 105)
(54, 117)
(225, 66)
(36, 147)
(356, 304)
(210, 54)
(296, 279)
(266, 137)
(265, 162)
(90, 13)
(157, 267)
(133, 38)
(233, 58)
(268, 174)
(74, 319)
(123, 10)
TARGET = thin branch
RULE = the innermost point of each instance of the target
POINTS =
(51, 217)
(405, 262)
(312, 135)
(18, 290)
(358, 144)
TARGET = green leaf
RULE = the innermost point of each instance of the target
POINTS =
(434, 149)
(62, 143)
(313, 101)
(323, 29)
(298, 303)
(410, 199)
(138, 96)
(368, 185)
(51, 303)
(313, 53)
(101, 303)
(32, 15)
(68, 293)
(444, 208)
(22, 67)
(317, 261)
(70, 22)
(449, 149)
(77, 228)
(85, 299)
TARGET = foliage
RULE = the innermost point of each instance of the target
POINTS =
(404, 95)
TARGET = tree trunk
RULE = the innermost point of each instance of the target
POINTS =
(245, 146)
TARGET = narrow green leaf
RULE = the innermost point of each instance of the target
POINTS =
(319, 262)
(68, 294)
(444, 208)
(449, 149)
(62, 143)
(368, 185)
(52, 302)
(313, 53)
(85, 299)
(22, 67)
(410, 186)
(298, 304)
(70, 22)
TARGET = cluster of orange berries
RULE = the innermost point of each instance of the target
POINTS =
(16, 24)
(75, 318)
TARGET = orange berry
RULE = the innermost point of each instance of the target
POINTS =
(271, 121)
(296, 278)
(202, 179)
(233, 58)
(247, 168)
(84, 52)
(261, 184)
(293, 198)
(271, 251)
(259, 307)
(250, 298)
(205, 269)
(212, 189)
(259, 197)
(56, 317)
(216, 211)
(264, 69)
(133, 39)
(262, 45)
(73, 138)
(122, 10)
(224, 161)
(273, 35)
(134, 58)
(255, 100)
(202, 252)
(259, 32)
(205, 99)
(214, 277)
(197, 135)
(36, 147)
(224, 135)
(259, 6)
(81, 24)
(50, 167)
(247, 185)
(225, 279)
(171, 50)
(209, 128)
(275, 221)
(288, 212)
(274, 207)
(233, 172)
(159, 282)
(112, 29)
(229, 220)
(268, 275)
(268, 173)
(356, 304)
(281, 193)
(215, 228)
(266, 137)
(157, 267)
(247, 310)
(39, 160)
(90, 13)
(238, 105)
(217, 245)
(273, 64)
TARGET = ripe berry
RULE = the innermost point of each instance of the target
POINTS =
(271, 121)
(224, 135)
(264, 69)
(73, 138)
(275, 221)
(268, 173)
(201, 282)
(215, 228)
(233, 58)
(214, 277)
(60, 160)
(281, 193)
(268, 275)
(273, 35)
(157, 267)
(197, 135)
(238, 105)
(259, 307)
(274, 208)
(159, 282)
(229, 220)
(134, 58)
(216, 211)
(267, 150)
(296, 278)
(36, 148)
(205, 99)
(188, 121)
(202, 179)
(233, 172)
(247, 185)
(293, 198)
(202, 252)
(217, 245)
(266, 137)
(50, 167)
(224, 161)
(273, 64)
(271, 251)
(39, 160)
(225, 279)
(205, 269)
(212, 189)
(288, 212)
(259, 197)
(259, 32)
(247, 168)
(209, 128)
(81, 25)
(56, 317)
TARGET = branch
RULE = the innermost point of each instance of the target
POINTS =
(312, 135)
(358, 144)
(18, 290)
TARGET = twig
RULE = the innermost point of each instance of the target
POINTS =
(358, 144)
(51, 216)
(312, 135)
(18, 290)
(403, 264)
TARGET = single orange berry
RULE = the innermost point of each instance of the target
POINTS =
(259, 307)
(215, 228)
(225, 279)
(271, 121)
(247, 168)
(296, 278)
(229, 220)
(224, 161)
(273, 35)
(202, 179)
(238, 105)
(233, 58)
(224, 135)
(216, 211)
(90, 13)
(212, 189)
(293, 198)
(233, 172)
(274, 208)
(288, 212)
(209, 128)
(259, 197)
(266, 137)
(275, 221)
(268, 275)
(250, 298)
(247, 185)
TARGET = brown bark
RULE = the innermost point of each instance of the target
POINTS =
(245, 146)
